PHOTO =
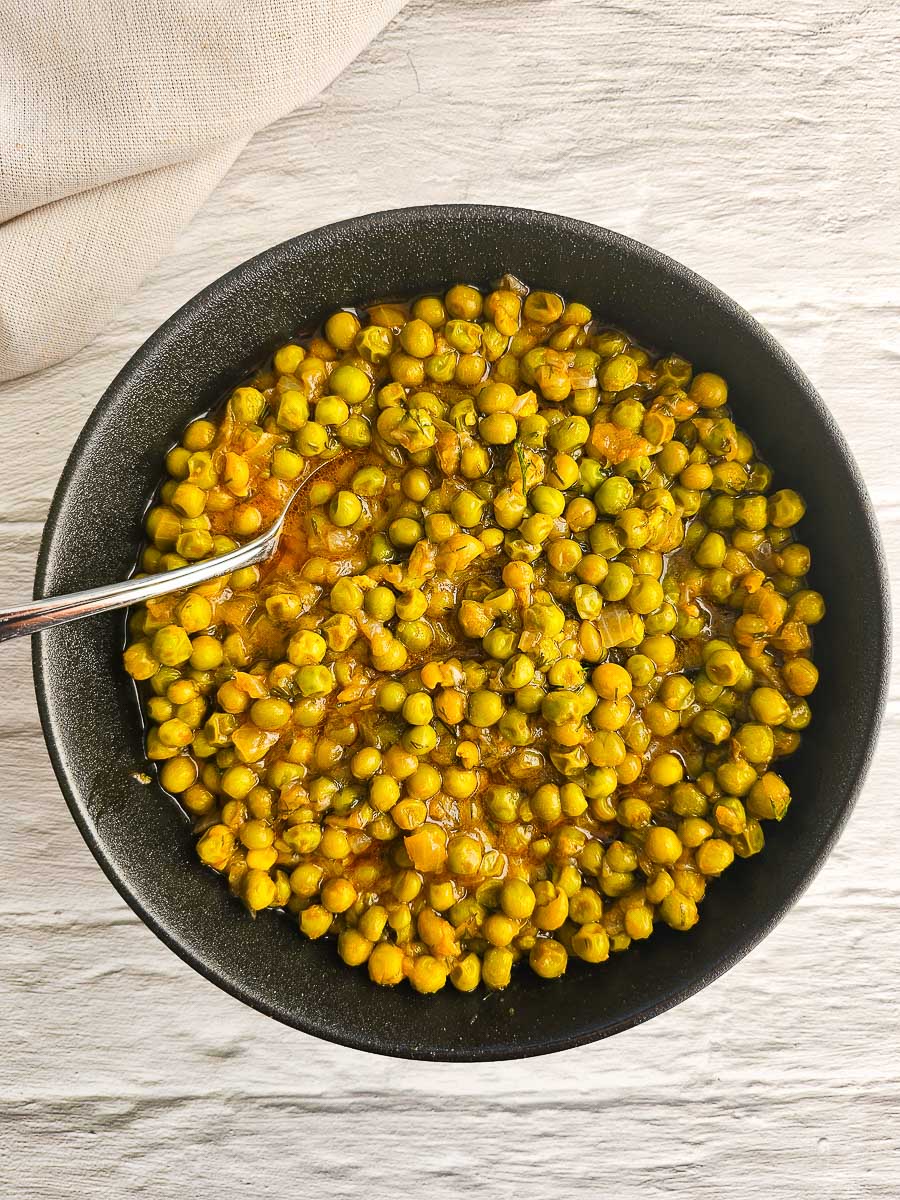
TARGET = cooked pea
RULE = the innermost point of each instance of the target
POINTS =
(498, 429)
(756, 742)
(332, 410)
(502, 802)
(548, 958)
(496, 969)
(786, 508)
(314, 681)
(417, 338)
(724, 666)
(271, 713)
(662, 845)
(769, 706)
(350, 383)
(385, 964)
(591, 943)
(666, 770)
(341, 329)
(806, 606)
(800, 675)
(617, 373)
(467, 508)
(709, 390)
(463, 301)
(345, 508)
(405, 532)
(418, 709)
(713, 856)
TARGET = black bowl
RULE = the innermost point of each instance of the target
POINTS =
(89, 711)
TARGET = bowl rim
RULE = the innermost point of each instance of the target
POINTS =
(755, 932)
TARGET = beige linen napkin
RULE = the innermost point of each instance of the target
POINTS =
(117, 118)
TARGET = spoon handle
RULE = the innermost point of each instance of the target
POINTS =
(58, 610)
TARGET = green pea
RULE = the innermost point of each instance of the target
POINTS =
(641, 669)
(309, 712)
(415, 635)
(537, 528)
(419, 739)
(374, 344)
(247, 404)
(547, 500)
(171, 645)
(355, 433)
(312, 439)
(467, 509)
(404, 532)
(529, 698)
(463, 336)
(293, 410)
(381, 550)
(345, 508)
(756, 742)
(719, 512)
(561, 707)
(711, 726)
(332, 410)
(485, 708)
(500, 643)
(737, 778)
(346, 596)
(533, 430)
(751, 512)
(547, 618)
(618, 582)
(380, 603)
(412, 604)
(723, 665)
(617, 373)
(350, 383)
(498, 429)
(665, 618)
(392, 696)
(807, 606)
(369, 481)
(785, 508)
(314, 681)
(441, 368)
(195, 544)
(464, 854)
(418, 709)
(613, 495)
(439, 527)
(711, 551)
(518, 671)
(286, 464)
(769, 706)
(569, 433)
(496, 969)
(502, 802)
(515, 727)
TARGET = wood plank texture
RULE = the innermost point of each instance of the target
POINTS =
(756, 142)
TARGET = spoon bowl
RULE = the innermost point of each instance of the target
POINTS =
(43, 614)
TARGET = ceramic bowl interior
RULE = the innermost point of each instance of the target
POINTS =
(89, 710)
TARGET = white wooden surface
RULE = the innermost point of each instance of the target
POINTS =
(754, 141)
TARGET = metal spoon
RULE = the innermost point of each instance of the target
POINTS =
(58, 610)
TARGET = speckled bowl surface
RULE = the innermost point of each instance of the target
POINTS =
(89, 710)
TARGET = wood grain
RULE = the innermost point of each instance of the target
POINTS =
(755, 142)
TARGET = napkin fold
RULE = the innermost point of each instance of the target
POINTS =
(117, 119)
